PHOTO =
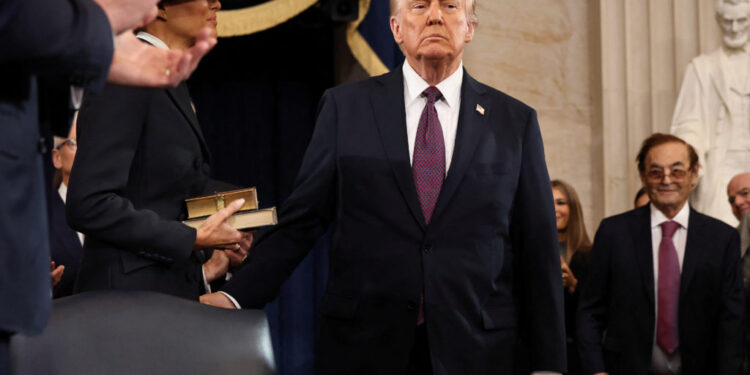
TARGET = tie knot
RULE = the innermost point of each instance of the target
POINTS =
(668, 228)
(433, 94)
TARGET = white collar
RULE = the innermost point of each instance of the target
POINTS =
(658, 217)
(449, 87)
(150, 38)
(63, 191)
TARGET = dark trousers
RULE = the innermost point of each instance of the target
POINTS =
(419, 360)
(4, 352)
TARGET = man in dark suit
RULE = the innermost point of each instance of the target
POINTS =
(69, 39)
(664, 281)
(444, 248)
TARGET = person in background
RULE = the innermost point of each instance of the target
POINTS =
(664, 280)
(641, 198)
(574, 254)
(66, 245)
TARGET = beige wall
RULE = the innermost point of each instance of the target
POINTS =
(539, 51)
(602, 74)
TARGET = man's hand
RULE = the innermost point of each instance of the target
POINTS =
(216, 233)
(217, 299)
(238, 255)
(140, 64)
(56, 272)
(216, 266)
(127, 14)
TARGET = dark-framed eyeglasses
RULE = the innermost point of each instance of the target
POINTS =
(70, 142)
(676, 174)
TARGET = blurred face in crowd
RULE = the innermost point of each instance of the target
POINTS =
(738, 191)
(642, 201)
(433, 30)
(668, 177)
(734, 20)
(186, 18)
(64, 154)
(562, 209)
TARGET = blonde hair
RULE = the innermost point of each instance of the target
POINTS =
(578, 238)
(471, 10)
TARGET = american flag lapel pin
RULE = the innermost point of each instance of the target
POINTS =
(480, 109)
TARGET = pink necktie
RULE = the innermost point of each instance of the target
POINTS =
(428, 166)
(669, 290)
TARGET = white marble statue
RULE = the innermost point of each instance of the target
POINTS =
(713, 110)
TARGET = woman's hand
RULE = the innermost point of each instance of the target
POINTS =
(569, 280)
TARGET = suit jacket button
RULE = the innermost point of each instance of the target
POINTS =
(411, 306)
(427, 249)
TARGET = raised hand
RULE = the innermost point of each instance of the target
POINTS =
(140, 64)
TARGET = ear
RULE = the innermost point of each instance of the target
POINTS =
(469, 32)
(56, 159)
(396, 30)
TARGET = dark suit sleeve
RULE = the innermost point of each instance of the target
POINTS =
(535, 242)
(110, 126)
(730, 337)
(593, 303)
(303, 219)
(70, 38)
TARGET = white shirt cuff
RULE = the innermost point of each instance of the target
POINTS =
(234, 301)
(206, 285)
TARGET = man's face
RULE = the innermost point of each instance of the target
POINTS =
(738, 191)
(668, 177)
(734, 21)
(432, 29)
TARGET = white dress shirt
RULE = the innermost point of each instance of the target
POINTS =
(661, 362)
(63, 191)
(447, 108)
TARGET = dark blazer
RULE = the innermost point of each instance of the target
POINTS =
(488, 262)
(65, 246)
(140, 154)
(619, 298)
(70, 39)
(579, 265)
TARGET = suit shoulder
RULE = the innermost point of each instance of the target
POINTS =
(357, 88)
(501, 97)
(615, 222)
(712, 225)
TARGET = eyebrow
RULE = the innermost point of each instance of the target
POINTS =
(675, 164)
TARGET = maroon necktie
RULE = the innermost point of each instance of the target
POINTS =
(428, 166)
(669, 290)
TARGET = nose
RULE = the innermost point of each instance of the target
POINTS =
(214, 4)
(434, 13)
(735, 26)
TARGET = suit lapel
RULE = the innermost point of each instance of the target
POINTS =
(471, 126)
(693, 247)
(390, 116)
(641, 231)
(181, 98)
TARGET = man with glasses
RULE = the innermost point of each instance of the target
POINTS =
(664, 281)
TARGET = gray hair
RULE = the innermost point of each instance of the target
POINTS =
(471, 9)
